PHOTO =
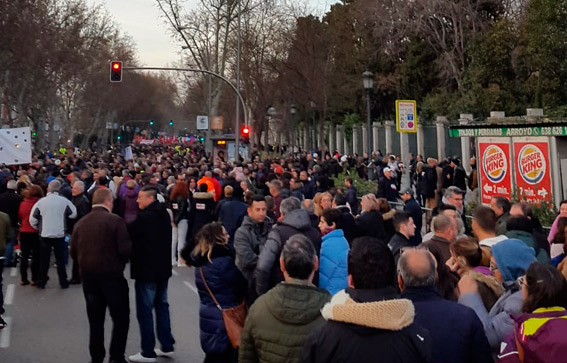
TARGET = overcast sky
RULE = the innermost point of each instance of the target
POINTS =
(141, 20)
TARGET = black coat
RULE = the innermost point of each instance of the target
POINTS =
(456, 331)
(387, 188)
(151, 244)
(202, 212)
(347, 223)
(397, 242)
(338, 342)
(231, 214)
(460, 178)
(371, 224)
(429, 181)
(10, 204)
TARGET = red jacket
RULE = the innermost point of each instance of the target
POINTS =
(24, 215)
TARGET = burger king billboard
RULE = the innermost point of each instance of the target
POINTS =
(494, 168)
(532, 169)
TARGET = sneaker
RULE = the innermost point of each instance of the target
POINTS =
(3, 323)
(161, 353)
(140, 358)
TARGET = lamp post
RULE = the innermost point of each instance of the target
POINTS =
(312, 145)
(271, 113)
(293, 111)
(368, 82)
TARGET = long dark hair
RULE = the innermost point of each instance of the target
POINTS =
(546, 287)
(560, 235)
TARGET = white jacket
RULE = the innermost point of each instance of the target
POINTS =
(49, 215)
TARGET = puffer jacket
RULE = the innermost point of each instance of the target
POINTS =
(537, 337)
(279, 322)
(333, 271)
(268, 272)
(227, 285)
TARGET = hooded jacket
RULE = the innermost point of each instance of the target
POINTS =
(333, 271)
(537, 337)
(202, 211)
(363, 325)
(268, 272)
(279, 322)
(227, 285)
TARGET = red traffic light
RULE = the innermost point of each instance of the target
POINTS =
(116, 72)
(246, 130)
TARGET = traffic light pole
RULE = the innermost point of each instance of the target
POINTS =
(227, 81)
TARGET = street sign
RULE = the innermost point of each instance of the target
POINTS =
(217, 123)
(495, 172)
(514, 131)
(406, 116)
(533, 169)
(202, 122)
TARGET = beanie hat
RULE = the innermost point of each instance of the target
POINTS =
(50, 179)
(513, 258)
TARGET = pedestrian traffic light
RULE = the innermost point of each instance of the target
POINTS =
(115, 71)
(34, 134)
(152, 122)
(245, 134)
(119, 137)
(202, 139)
(170, 122)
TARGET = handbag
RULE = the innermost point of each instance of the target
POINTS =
(233, 318)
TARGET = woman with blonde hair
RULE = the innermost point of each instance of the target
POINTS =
(215, 274)
(370, 222)
(322, 201)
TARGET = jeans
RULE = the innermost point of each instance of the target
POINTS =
(29, 245)
(150, 296)
(2, 311)
(58, 245)
(100, 294)
(178, 237)
(9, 253)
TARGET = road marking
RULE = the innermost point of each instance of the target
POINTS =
(174, 272)
(14, 271)
(191, 287)
(9, 299)
(5, 334)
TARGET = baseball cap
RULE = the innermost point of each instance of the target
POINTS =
(407, 191)
(387, 169)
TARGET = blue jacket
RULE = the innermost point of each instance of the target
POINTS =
(333, 272)
(456, 332)
(227, 285)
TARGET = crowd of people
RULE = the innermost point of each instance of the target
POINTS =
(324, 274)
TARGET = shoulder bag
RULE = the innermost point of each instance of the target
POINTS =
(233, 317)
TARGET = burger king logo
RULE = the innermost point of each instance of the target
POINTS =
(495, 164)
(531, 164)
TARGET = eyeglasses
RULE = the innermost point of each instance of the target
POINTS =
(493, 267)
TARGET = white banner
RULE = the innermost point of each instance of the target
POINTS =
(15, 146)
(129, 155)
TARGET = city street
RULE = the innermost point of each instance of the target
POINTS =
(51, 325)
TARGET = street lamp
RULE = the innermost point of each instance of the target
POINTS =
(313, 145)
(368, 82)
(271, 113)
(293, 111)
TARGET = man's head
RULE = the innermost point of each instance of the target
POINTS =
(303, 176)
(416, 268)
(12, 185)
(339, 200)
(472, 161)
(257, 208)
(520, 210)
(387, 172)
(146, 196)
(298, 259)
(406, 194)
(228, 190)
(103, 196)
(370, 264)
(455, 162)
(288, 205)
(295, 184)
(308, 206)
(403, 223)
(54, 186)
(445, 227)
(348, 181)
(454, 196)
(483, 221)
(78, 188)
(500, 205)
(275, 187)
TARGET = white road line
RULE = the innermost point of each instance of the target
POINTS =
(191, 287)
(9, 299)
(14, 271)
(5, 333)
(174, 272)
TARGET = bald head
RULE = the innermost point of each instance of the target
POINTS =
(416, 268)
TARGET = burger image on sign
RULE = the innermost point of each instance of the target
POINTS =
(494, 164)
(531, 164)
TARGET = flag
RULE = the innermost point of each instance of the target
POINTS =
(15, 146)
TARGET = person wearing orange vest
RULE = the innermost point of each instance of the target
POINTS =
(213, 185)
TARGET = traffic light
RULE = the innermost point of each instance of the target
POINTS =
(115, 71)
(119, 137)
(170, 122)
(34, 134)
(152, 122)
(245, 134)
(202, 139)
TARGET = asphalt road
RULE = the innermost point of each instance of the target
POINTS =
(51, 325)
